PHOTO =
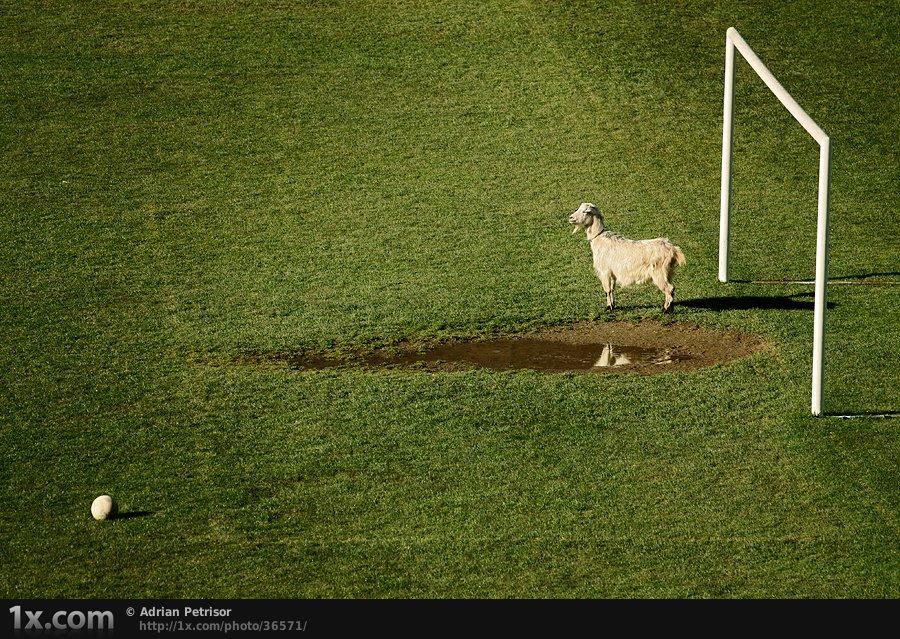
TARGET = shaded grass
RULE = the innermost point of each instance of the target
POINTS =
(182, 179)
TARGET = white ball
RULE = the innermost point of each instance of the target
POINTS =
(104, 507)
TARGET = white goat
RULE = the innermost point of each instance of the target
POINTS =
(618, 259)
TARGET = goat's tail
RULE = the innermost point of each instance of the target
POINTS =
(678, 257)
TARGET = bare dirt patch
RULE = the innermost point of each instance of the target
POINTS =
(646, 348)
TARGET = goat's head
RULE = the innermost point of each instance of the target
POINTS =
(585, 216)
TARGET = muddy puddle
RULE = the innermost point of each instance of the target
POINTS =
(644, 348)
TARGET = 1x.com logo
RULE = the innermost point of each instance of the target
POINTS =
(33, 621)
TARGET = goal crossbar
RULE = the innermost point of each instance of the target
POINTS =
(733, 40)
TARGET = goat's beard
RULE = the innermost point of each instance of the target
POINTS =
(575, 229)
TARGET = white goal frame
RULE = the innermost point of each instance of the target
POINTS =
(734, 40)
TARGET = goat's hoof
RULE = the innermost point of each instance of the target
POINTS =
(609, 308)
(667, 309)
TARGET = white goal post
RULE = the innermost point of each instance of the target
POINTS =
(734, 40)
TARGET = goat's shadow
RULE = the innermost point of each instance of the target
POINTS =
(752, 302)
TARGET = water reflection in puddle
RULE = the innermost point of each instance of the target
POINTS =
(506, 354)
(625, 355)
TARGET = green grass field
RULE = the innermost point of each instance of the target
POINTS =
(184, 183)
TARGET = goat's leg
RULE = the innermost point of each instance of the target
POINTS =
(608, 283)
(662, 283)
(670, 300)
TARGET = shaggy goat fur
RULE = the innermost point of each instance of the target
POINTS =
(618, 259)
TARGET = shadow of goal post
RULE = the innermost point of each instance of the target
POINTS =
(733, 40)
